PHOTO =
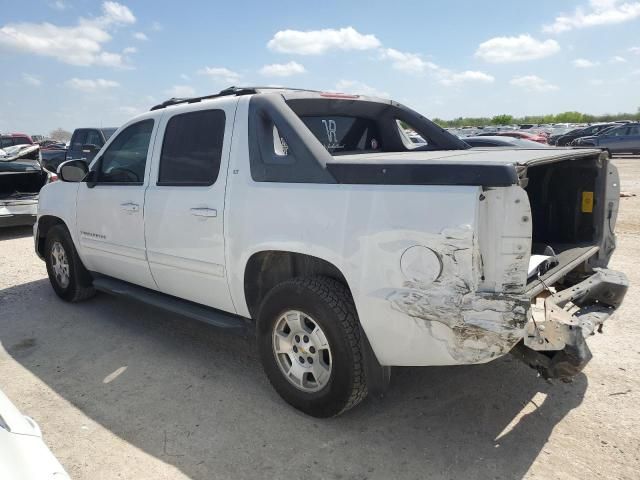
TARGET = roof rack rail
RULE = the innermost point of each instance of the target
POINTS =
(224, 93)
(221, 93)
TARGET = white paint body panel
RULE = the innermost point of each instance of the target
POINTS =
(186, 252)
(111, 234)
(23, 454)
(363, 230)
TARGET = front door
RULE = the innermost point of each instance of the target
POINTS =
(110, 218)
(184, 205)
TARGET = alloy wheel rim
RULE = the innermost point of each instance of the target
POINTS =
(302, 351)
(60, 264)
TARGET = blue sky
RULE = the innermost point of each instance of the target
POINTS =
(71, 63)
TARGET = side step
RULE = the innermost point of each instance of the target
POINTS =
(217, 318)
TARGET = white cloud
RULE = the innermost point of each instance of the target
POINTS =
(58, 5)
(618, 59)
(31, 80)
(316, 42)
(156, 27)
(584, 63)
(635, 50)
(181, 91)
(131, 111)
(533, 83)
(81, 44)
(129, 50)
(516, 49)
(115, 12)
(406, 62)
(221, 74)
(89, 85)
(414, 63)
(359, 88)
(185, 77)
(598, 12)
(282, 69)
(140, 36)
(448, 77)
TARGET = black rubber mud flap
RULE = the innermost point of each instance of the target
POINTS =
(378, 376)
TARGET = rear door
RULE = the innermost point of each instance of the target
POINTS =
(631, 143)
(184, 204)
(615, 139)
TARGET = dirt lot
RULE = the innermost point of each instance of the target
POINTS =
(125, 391)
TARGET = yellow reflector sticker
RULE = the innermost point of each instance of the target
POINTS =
(587, 202)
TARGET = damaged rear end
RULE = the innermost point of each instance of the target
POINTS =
(557, 236)
(21, 178)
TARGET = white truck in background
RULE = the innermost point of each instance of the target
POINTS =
(313, 218)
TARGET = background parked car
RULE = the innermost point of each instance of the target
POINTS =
(534, 137)
(23, 454)
(483, 141)
(622, 139)
(566, 139)
(21, 178)
(84, 144)
(11, 139)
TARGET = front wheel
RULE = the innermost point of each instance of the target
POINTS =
(309, 343)
(68, 277)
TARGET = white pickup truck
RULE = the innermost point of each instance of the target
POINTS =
(314, 219)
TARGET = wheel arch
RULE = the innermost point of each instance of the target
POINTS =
(46, 223)
(267, 268)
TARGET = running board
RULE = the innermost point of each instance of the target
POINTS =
(217, 318)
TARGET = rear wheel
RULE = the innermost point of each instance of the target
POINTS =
(309, 343)
(68, 277)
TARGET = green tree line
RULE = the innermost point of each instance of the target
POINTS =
(564, 117)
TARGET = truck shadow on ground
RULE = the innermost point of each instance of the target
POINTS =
(196, 398)
(10, 233)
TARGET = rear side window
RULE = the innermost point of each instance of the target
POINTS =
(344, 134)
(21, 141)
(192, 149)
(93, 138)
(79, 139)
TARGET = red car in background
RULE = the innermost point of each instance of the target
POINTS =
(11, 139)
(536, 137)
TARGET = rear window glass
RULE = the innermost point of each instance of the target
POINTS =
(93, 138)
(79, 139)
(344, 134)
(107, 132)
(192, 148)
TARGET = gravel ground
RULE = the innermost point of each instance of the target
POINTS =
(125, 391)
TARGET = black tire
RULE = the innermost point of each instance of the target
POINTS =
(330, 305)
(79, 286)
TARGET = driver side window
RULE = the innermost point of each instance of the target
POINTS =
(125, 159)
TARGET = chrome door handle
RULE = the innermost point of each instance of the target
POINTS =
(204, 212)
(130, 207)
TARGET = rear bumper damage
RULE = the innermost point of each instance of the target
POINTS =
(555, 335)
(18, 212)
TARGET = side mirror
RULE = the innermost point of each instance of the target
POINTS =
(90, 148)
(73, 170)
